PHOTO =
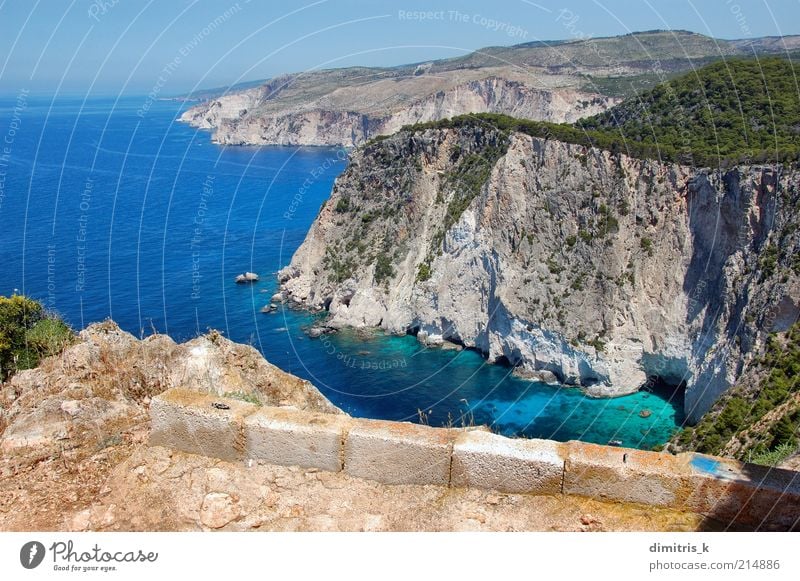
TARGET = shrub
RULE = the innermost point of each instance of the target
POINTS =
(383, 268)
(343, 205)
(423, 272)
(554, 267)
(244, 396)
(27, 334)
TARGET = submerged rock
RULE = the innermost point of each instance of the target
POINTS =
(319, 330)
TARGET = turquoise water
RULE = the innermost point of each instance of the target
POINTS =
(142, 219)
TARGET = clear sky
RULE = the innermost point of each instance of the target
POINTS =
(126, 45)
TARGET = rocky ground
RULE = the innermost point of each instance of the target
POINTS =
(74, 456)
(157, 489)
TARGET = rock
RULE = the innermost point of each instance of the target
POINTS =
(589, 520)
(246, 278)
(645, 414)
(81, 520)
(270, 308)
(277, 298)
(214, 364)
(542, 375)
(450, 346)
(319, 330)
(591, 307)
(218, 510)
(348, 115)
(71, 407)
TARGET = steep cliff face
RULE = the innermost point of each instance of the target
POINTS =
(575, 264)
(259, 116)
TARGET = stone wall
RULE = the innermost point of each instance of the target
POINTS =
(744, 495)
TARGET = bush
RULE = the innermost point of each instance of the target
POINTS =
(383, 268)
(48, 336)
(554, 267)
(27, 334)
(424, 272)
(343, 205)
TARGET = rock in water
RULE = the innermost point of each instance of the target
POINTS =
(247, 277)
(319, 331)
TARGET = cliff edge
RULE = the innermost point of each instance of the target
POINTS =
(572, 263)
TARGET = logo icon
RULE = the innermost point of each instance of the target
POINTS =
(31, 554)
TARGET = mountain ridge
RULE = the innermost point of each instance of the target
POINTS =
(559, 83)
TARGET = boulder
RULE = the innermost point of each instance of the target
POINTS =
(247, 277)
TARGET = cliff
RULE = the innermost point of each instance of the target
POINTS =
(571, 263)
(352, 114)
(558, 81)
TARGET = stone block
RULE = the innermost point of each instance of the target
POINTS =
(398, 452)
(190, 421)
(742, 495)
(622, 474)
(485, 460)
(297, 438)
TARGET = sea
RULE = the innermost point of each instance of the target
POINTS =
(112, 208)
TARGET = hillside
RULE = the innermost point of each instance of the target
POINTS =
(758, 419)
(573, 255)
(738, 110)
(546, 81)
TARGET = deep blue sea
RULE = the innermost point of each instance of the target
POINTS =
(108, 210)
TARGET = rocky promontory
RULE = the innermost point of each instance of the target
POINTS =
(605, 270)
(559, 81)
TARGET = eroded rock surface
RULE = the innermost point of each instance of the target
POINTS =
(598, 268)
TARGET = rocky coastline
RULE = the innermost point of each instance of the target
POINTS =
(569, 263)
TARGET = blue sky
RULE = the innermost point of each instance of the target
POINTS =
(126, 45)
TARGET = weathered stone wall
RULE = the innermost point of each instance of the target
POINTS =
(404, 453)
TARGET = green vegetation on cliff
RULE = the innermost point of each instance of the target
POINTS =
(28, 333)
(760, 423)
(734, 111)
